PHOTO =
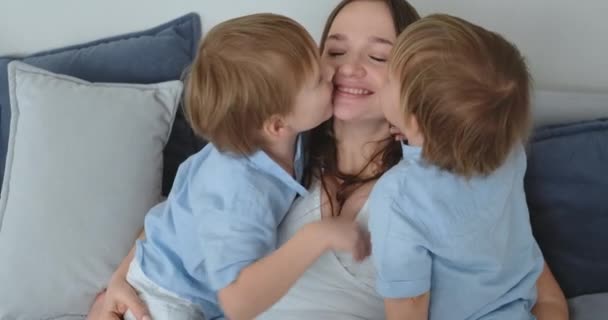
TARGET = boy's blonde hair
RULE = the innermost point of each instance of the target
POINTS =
(469, 90)
(247, 69)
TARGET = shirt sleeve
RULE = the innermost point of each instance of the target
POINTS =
(235, 237)
(399, 249)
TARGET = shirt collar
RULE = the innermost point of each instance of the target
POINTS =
(264, 162)
(411, 152)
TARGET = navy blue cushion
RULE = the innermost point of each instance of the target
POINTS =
(155, 55)
(567, 192)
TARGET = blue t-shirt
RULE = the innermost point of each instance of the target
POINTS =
(221, 215)
(468, 241)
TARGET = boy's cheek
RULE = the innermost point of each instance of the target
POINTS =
(393, 110)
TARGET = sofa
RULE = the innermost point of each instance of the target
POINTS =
(567, 187)
(91, 136)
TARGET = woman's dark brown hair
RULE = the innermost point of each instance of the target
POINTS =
(323, 159)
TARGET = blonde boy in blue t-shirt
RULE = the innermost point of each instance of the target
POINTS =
(450, 229)
(210, 249)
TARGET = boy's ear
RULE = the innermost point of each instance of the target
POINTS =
(412, 123)
(274, 126)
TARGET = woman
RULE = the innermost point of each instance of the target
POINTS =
(348, 154)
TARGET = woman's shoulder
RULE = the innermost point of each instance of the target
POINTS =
(304, 210)
(308, 203)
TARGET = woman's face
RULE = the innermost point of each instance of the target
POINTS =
(357, 48)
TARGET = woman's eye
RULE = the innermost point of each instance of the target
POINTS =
(378, 59)
(335, 53)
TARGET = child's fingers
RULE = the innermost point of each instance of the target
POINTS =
(360, 251)
(368, 246)
(363, 246)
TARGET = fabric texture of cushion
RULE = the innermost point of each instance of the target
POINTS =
(589, 307)
(557, 107)
(155, 55)
(567, 192)
(84, 165)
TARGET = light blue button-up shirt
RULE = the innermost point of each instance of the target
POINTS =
(221, 215)
(468, 241)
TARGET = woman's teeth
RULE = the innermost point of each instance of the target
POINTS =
(354, 91)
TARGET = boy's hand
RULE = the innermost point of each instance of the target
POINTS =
(347, 236)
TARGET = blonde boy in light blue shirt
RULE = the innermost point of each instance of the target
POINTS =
(210, 249)
(451, 235)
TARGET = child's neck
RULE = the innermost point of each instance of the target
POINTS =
(283, 152)
(416, 141)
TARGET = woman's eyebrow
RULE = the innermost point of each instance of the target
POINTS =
(381, 40)
(336, 36)
(373, 39)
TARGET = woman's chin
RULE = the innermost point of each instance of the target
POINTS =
(353, 112)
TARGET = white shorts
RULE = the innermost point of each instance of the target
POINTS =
(162, 304)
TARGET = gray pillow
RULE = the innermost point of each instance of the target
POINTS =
(155, 55)
(84, 165)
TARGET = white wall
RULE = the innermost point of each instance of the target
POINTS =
(565, 40)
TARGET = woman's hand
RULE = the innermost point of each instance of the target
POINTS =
(114, 302)
(97, 308)
(120, 297)
(551, 303)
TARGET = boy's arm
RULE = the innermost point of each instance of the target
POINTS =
(551, 303)
(400, 253)
(264, 282)
(416, 308)
(261, 284)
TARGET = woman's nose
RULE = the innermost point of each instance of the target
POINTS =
(351, 69)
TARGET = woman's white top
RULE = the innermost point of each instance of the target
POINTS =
(335, 287)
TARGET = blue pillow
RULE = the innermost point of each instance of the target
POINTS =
(567, 192)
(155, 55)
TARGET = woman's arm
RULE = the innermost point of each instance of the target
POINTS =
(264, 282)
(551, 302)
(119, 296)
